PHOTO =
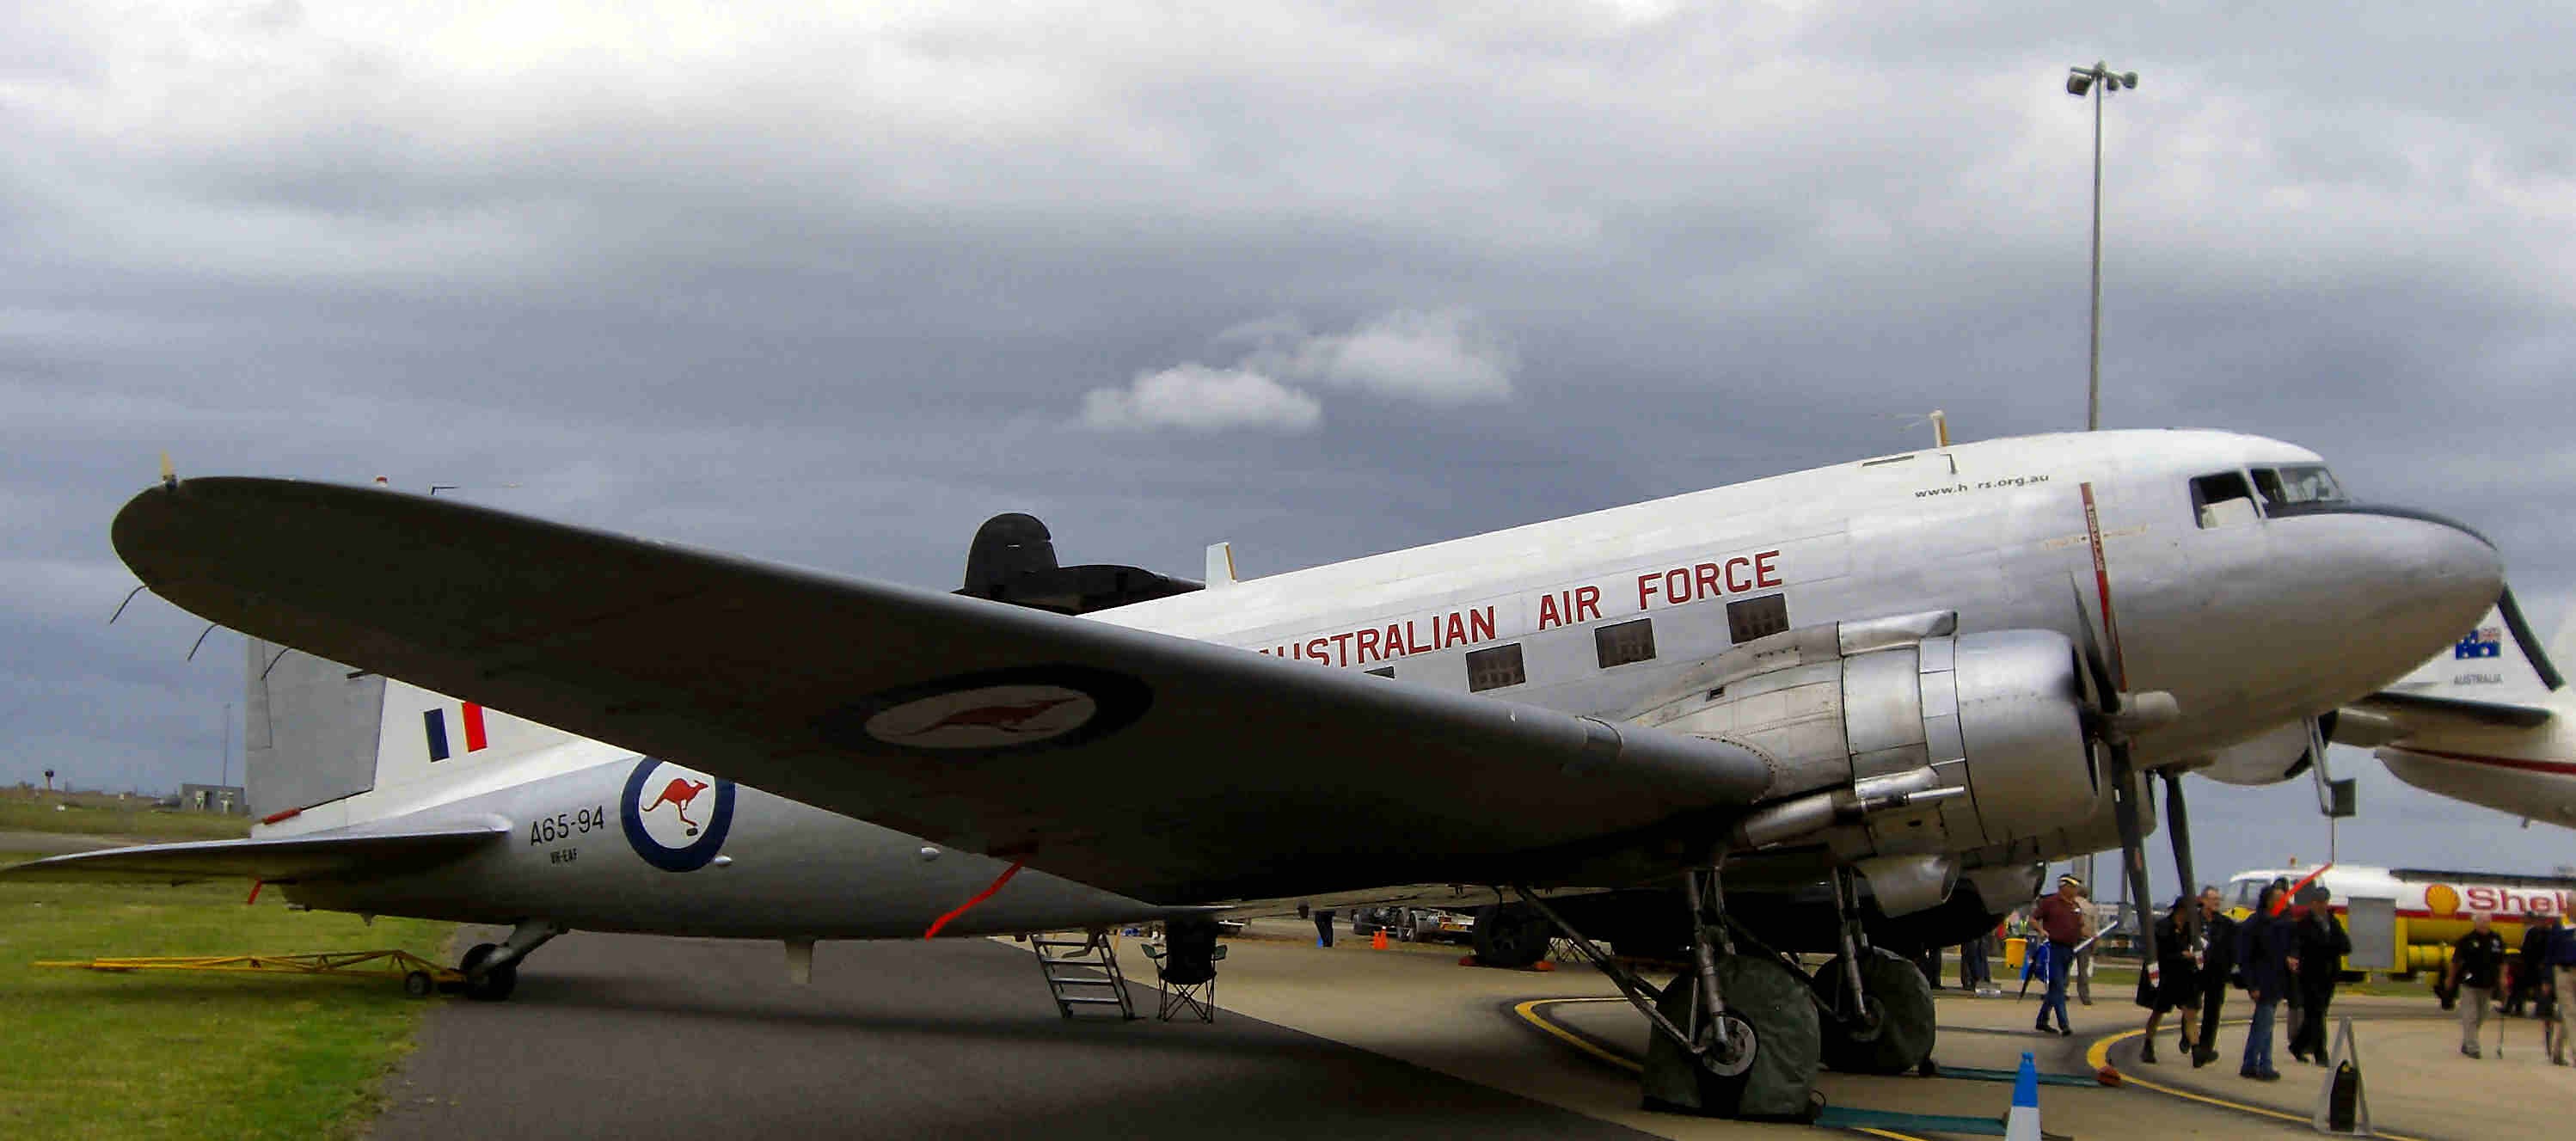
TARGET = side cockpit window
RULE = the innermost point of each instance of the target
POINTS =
(2302, 483)
(2222, 499)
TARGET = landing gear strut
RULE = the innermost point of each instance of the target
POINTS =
(1878, 1007)
(1735, 1036)
(492, 970)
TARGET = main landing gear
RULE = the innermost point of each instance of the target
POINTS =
(1741, 1034)
(492, 969)
(1877, 1007)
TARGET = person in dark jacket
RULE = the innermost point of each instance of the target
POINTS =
(2477, 961)
(2319, 943)
(2530, 969)
(2217, 966)
(2177, 983)
(2263, 957)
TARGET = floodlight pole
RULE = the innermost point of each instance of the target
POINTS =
(2099, 80)
(2093, 371)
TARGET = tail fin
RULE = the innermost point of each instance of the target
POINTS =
(326, 745)
(2500, 661)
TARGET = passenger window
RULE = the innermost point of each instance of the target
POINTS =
(1494, 668)
(2223, 500)
(1756, 617)
(1625, 642)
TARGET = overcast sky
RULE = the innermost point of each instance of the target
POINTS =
(1323, 281)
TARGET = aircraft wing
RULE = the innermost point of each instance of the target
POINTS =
(1168, 769)
(276, 860)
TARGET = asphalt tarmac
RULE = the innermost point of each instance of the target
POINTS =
(638, 1037)
(643, 1037)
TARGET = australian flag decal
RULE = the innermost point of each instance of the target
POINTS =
(2486, 642)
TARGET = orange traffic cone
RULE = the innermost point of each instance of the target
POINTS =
(1377, 942)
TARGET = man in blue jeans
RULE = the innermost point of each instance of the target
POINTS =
(2061, 918)
(2263, 956)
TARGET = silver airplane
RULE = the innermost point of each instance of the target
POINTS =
(1909, 679)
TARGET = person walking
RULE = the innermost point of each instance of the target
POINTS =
(2320, 943)
(2061, 918)
(2176, 985)
(2263, 955)
(2476, 961)
(2217, 969)
(2560, 957)
(2530, 968)
(1323, 928)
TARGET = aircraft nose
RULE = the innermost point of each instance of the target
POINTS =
(2437, 577)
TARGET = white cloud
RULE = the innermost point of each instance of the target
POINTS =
(1442, 357)
(1196, 398)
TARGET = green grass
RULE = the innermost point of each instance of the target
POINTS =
(184, 1055)
(97, 817)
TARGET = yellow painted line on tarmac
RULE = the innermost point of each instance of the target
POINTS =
(2099, 1057)
(1529, 1013)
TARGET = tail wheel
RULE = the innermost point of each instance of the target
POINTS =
(1896, 1031)
(492, 985)
(1767, 1069)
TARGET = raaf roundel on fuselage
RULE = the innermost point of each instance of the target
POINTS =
(1508, 746)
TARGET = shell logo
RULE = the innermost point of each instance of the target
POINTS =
(2441, 899)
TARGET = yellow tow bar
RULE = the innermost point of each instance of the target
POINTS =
(419, 976)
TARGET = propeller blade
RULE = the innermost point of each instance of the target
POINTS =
(2125, 791)
(2097, 666)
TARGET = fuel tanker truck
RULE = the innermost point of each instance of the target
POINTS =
(2404, 920)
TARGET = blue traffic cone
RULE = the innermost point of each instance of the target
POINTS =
(2022, 1123)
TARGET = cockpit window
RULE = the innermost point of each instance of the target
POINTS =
(2223, 499)
(2305, 483)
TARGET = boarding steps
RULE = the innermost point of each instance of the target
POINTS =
(1081, 969)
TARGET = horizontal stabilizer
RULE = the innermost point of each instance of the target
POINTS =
(2418, 712)
(278, 860)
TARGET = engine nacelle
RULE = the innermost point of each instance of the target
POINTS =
(1895, 737)
(2269, 757)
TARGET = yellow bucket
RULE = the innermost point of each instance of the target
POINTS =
(2015, 950)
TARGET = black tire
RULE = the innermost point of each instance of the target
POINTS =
(1898, 1036)
(418, 984)
(492, 985)
(1769, 1076)
(1511, 935)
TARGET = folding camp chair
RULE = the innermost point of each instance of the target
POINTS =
(1186, 966)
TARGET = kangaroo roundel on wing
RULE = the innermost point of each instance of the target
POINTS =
(993, 711)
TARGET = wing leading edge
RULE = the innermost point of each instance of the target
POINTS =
(1168, 769)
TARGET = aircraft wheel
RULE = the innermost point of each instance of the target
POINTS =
(1769, 1074)
(492, 985)
(1511, 935)
(418, 984)
(1898, 1034)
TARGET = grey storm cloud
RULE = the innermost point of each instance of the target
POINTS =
(830, 286)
